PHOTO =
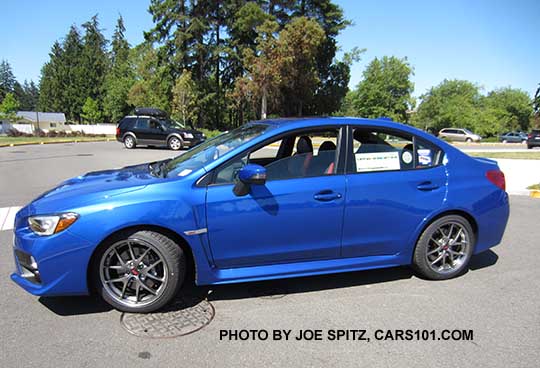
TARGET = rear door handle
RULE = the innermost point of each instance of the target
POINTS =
(326, 196)
(427, 186)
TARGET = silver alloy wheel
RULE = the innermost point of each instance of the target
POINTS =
(128, 141)
(175, 143)
(133, 272)
(448, 248)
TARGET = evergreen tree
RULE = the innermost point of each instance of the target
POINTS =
(121, 78)
(94, 61)
(7, 79)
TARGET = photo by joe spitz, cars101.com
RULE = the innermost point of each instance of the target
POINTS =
(270, 199)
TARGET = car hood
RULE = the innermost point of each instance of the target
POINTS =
(92, 187)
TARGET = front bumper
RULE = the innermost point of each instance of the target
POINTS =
(52, 265)
(193, 142)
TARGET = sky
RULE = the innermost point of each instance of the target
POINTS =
(489, 42)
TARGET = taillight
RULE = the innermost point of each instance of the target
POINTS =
(497, 178)
(117, 131)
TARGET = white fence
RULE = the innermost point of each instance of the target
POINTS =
(109, 129)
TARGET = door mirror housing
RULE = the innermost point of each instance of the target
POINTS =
(250, 174)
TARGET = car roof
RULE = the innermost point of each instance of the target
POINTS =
(285, 124)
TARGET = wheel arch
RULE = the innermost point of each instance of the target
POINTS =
(177, 238)
(459, 212)
(130, 134)
(176, 135)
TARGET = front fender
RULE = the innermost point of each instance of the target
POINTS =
(173, 205)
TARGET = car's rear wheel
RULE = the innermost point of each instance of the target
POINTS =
(444, 248)
(139, 272)
(129, 142)
(175, 143)
(505, 141)
(468, 140)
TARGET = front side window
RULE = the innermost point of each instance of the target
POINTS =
(297, 155)
(212, 149)
(379, 150)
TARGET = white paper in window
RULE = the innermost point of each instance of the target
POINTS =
(377, 161)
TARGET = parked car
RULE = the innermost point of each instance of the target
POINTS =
(459, 135)
(533, 139)
(152, 127)
(513, 137)
(270, 199)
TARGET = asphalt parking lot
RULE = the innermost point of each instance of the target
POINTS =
(498, 299)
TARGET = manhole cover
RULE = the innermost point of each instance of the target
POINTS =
(17, 151)
(182, 317)
(85, 154)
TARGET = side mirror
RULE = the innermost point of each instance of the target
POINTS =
(250, 174)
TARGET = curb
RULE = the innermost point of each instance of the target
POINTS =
(54, 142)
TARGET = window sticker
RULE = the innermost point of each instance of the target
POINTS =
(377, 161)
(406, 156)
(424, 157)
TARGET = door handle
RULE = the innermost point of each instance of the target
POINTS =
(326, 196)
(427, 186)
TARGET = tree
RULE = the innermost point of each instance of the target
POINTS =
(94, 62)
(152, 84)
(27, 94)
(263, 66)
(299, 43)
(536, 106)
(185, 99)
(9, 106)
(510, 108)
(7, 79)
(120, 78)
(385, 90)
(90, 111)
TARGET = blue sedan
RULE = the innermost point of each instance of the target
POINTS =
(271, 199)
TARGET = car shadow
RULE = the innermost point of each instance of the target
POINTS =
(272, 289)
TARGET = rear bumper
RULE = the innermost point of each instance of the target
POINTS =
(533, 142)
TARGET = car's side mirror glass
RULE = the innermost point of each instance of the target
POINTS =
(250, 174)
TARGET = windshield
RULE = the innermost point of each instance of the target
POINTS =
(173, 124)
(212, 149)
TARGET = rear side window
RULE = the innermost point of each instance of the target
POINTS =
(127, 123)
(142, 123)
(379, 150)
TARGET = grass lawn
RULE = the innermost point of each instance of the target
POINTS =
(529, 155)
(5, 141)
(534, 187)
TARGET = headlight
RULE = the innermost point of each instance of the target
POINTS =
(188, 135)
(48, 225)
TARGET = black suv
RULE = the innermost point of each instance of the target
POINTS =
(152, 127)
(533, 139)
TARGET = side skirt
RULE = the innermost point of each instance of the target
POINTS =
(298, 269)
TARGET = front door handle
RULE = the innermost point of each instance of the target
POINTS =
(326, 196)
(427, 186)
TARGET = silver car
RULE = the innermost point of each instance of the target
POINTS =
(459, 135)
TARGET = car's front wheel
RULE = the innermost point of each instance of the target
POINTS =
(129, 142)
(139, 272)
(174, 143)
(445, 248)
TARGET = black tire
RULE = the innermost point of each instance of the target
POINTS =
(529, 147)
(175, 143)
(425, 244)
(171, 254)
(130, 142)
